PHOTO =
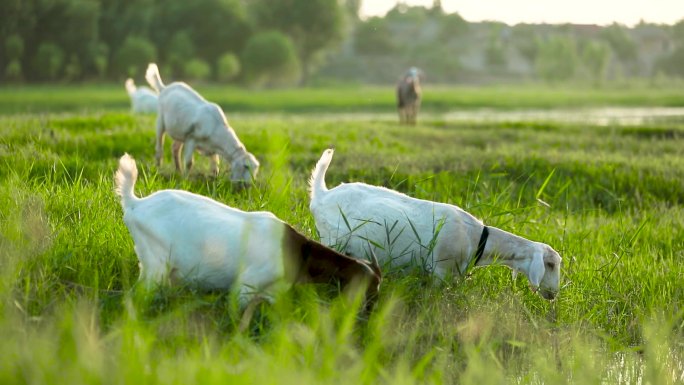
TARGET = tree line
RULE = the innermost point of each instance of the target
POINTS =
(271, 43)
(256, 41)
(451, 49)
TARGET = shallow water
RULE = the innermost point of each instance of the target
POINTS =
(598, 116)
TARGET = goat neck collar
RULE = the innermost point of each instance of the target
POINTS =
(480, 246)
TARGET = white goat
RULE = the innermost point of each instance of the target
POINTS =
(143, 99)
(441, 237)
(188, 118)
(188, 238)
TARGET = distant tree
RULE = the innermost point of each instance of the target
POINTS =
(196, 69)
(181, 50)
(672, 64)
(83, 17)
(352, 8)
(13, 13)
(557, 59)
(313, 25)
(72, 70)
(122, 18)
(525, 39)
(452, 26)
(437, 9)
(48, 61)
(269, 58)
(227, 67)
(134, 55)
(595, 57)
(14, 47)
(373, 37)
(495, 54)
(213, 26)
(13, 70)
(99, 52)
(402, 13)
(678, 32)
(622, 44)
(71, 25)
(14, 50)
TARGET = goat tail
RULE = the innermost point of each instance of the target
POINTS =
(130, 86)
(152, 76)
(125, 179)
(317, 180)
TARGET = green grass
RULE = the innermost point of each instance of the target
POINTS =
(609, 199)
(87, 98)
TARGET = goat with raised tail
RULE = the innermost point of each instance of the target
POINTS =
(440, 237)
(143, 99)
(182, 237)
(195, 123)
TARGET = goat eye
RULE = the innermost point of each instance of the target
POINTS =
(550, 265)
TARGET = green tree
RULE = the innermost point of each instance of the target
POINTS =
(352, 7)
(595, 57)
(14, 47)
(452, 26)
(14, 50)
(525, 39)
(622, 44)
(72, 71)
(373, 37)
(197, 69)
(678, 32)
(181, 50)
(495, 54)
(269, 58)
(12, 14)
(313, 25)
(83, 16)
(214, 26)
(122, 18)
(673, 64)
(134, 55)
(402, 13)
(71, 25)
(13, 70)
(99, 52)
(48, 61)
(557, 59)
(227, 67)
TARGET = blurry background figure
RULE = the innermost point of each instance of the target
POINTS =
(143, 99)
(408, 96)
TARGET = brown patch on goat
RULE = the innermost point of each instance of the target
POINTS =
(310, 261)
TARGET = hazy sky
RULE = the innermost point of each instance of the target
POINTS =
(550, 11)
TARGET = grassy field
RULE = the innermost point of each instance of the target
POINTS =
(610, 199)
(35, 99)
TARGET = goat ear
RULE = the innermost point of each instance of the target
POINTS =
(535, 271)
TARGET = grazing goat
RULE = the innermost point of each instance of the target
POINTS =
(143, 99)
(408, 96)
(187, 238)
(404, 230)
(194, 123)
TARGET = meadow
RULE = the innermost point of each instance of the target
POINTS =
(609, 198)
